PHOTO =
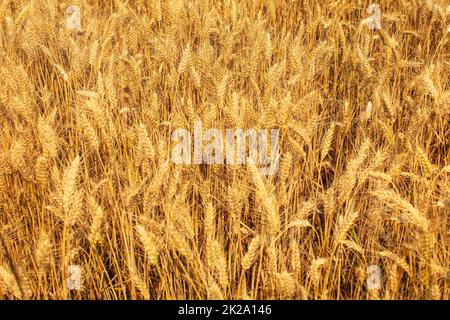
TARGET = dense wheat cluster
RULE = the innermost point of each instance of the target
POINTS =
(86, 176)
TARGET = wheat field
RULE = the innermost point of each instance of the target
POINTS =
(86, 177)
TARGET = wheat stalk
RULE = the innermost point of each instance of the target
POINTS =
(411, 214)
(251, 254)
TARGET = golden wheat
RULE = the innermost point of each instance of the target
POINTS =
(86, 177)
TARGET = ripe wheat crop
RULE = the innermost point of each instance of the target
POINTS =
(88, 107)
